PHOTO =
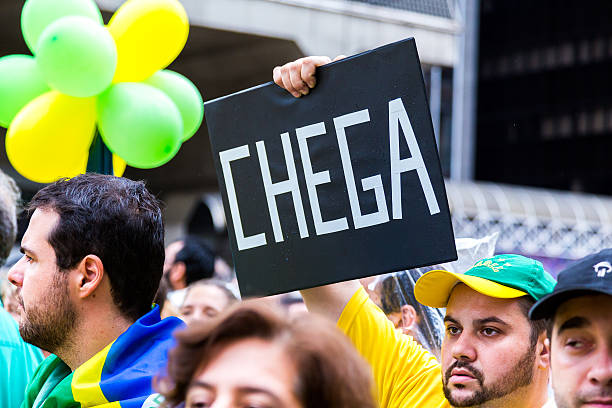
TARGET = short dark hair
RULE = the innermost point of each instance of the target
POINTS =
(392, 295)
(330, 372)
(9, 195)
(117, 220)
(198, 258)
(537, 326)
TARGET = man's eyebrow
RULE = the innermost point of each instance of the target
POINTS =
(490, 319)
(23, 249)
(576, 322)
(450, 319)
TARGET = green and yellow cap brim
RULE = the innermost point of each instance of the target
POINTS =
(434, 287)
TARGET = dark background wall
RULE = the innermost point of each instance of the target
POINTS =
(545, 94)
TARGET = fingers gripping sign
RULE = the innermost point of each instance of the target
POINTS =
(298, 77)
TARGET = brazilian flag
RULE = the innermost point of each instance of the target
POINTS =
(119, 376)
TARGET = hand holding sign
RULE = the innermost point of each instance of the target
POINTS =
(298, 77)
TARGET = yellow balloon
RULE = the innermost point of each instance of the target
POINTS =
(118, 165)
(50, 137)
(149, 35)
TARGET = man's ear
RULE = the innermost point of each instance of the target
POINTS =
(177, 276)
(409, 316)
(90, 273)
(543, 351)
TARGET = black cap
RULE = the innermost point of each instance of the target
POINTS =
(589, 275)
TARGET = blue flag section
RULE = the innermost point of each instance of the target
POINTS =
(340, 184)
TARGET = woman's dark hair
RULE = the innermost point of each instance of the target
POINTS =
(117, 220)
(330, 373)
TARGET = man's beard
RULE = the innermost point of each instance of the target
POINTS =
(520, 375)
(49, 323)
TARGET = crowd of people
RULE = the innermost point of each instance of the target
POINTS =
(95, 280)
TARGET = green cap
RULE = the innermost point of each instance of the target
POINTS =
(501, 276)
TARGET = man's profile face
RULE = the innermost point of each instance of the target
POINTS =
(169, 263)
(486, 353)
(47, 314)
(170, 254)
(581, 352)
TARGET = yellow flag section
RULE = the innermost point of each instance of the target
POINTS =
(86, 382)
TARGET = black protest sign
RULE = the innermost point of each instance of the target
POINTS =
(340, 184)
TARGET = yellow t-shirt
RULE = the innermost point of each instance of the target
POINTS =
(406, 375)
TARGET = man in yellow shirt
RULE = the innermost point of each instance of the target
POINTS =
(492, 355)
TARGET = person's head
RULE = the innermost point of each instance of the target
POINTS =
(492, 352)
(9, 195)
(395, 303)
(187, 261)
(93, 241)
(10, 300)
(251, 356)
(205, 299)
(581, 332)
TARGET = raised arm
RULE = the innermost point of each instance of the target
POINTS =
(405, 374)
(298, 77)
(330, 300)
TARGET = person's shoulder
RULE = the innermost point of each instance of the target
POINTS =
(353, 308)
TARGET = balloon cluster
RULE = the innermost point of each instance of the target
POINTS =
(84, 75)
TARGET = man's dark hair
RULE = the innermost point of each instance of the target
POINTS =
(9, 195)
(117, 220)
(198, 258)
(537, 326)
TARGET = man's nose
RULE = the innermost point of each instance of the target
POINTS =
(600, 373)
(463, 348)
(15, 274)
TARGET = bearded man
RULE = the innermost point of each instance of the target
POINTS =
(92, 262)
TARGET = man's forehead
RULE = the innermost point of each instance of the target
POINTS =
(591, 308)
(41, 224)
(468, 303)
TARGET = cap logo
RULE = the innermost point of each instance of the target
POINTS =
(602, 268)
(494, 266)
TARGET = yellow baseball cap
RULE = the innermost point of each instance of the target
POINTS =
(502, 276)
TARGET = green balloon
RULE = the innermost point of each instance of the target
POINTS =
(20, 82)
(77, 56)
(37, 15)
(186, 97)
(140, 124)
